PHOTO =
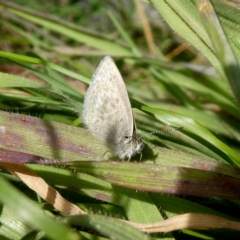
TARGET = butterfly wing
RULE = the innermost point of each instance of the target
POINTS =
(107, 111)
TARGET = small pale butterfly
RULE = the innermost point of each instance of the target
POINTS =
(107, 111)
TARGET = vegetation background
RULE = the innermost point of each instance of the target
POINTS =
(180, 63)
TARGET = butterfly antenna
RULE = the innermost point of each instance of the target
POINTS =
(161, 131)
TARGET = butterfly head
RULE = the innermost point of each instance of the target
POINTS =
(136, 146)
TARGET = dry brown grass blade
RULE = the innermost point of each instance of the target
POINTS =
(146, 27)
(45, 191)
(194, 221)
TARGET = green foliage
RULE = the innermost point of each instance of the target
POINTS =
(49, 51)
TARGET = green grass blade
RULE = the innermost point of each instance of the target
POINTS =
(183, 18)
(195, 130)
(32, 60)
(108, 226)
(7, 81)
(33, 216)
(221, 46)
(78, 34)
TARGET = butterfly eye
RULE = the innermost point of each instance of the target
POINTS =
(127, 139)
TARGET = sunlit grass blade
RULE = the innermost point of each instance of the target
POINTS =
(12, 225)
(170, 78)
(195, 130)
(33, 216)
(108, 226)
(32, 60)
(72, 31)
(207, 118)
(183, 18)
(221, 45)
(134, 202)
(7, 81)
